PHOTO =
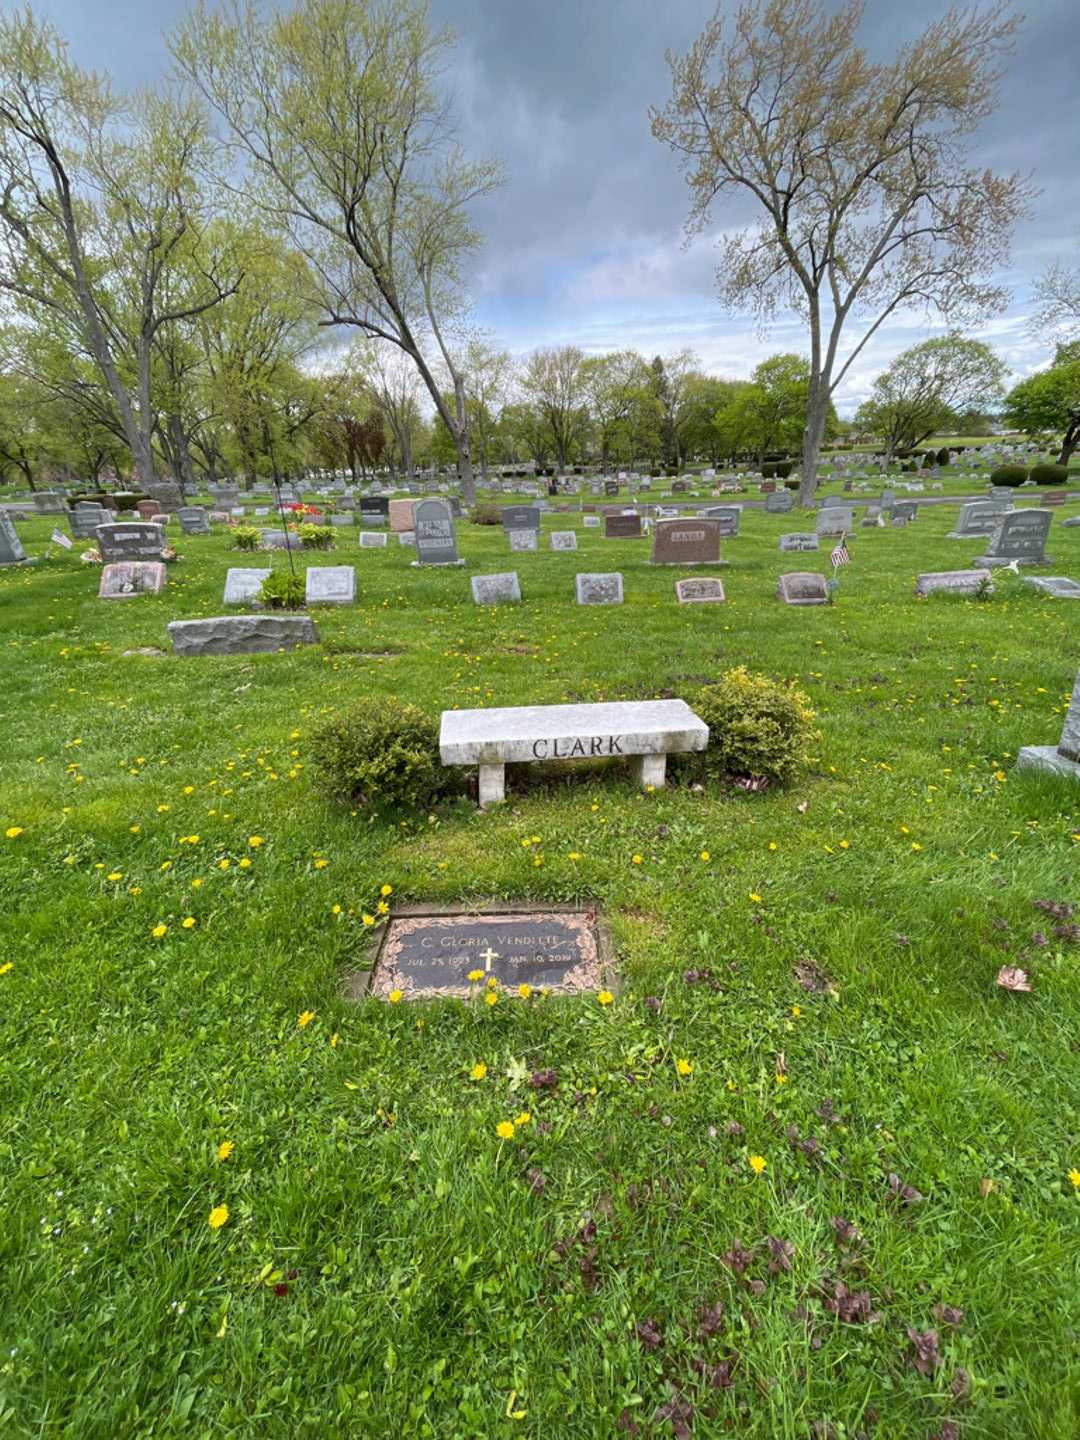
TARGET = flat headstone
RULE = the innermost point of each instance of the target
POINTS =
(622, 527)
(686, 541)
(563, 539)
(193, 520)
(800, 540)
(500, 589)
(11, 549)
(958, 582)
(778, 502)
(330, 585)
(602, 589)
(242, 585)
(1019, 536)
(433, 955)
(400, 514)
(1059, 587)
(407, 537)
(592, 522)
(242, 634)
(373, 540)
(521, 517)
(523, 539)
(699, 591)
(1071, 523)
(800, 587)
(130, 540)
(436, 543)
(124, 578)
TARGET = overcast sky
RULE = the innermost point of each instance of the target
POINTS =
(584, 243)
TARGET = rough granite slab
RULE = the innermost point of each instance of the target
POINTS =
(1049, 758)
(504, 735)
(958, 582)
(242, 634)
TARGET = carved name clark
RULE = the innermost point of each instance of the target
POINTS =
(568, 749)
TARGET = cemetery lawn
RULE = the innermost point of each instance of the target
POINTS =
(806, 989)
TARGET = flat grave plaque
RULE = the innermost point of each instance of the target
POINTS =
(427, 956)
(699, 591)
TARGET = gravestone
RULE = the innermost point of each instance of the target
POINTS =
(124, 578)
(699, 591)
(563, 539)
(1020, 537)
(686, 542)
(888, 499)
(130, 540)
(406, 537)
(400, 513)
(278, 540)
(148, 509)
(523, 539)
(835, 520)
(799, 540)
(341, 520)
(591, 589)
(1058, 587)
(166, 493)
(907, 510)
(622, 527)
(726, 516)
(85, 518)
(242, 634)
(242, 585)
(374, 510)
(779, 502)
(592, 522)
(1064, 759)
(373, 540)
(554, 949)
(193, 520)
(330, 585)
(521, 517)
(11, 549)
(434, 533)
(957, 582)
(49, 502)
(872, 519)
(1053, 497)
(977, 518)
(501, 589)
(802, 588)
(611, 487)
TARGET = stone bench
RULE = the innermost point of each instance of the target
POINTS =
(647, 730)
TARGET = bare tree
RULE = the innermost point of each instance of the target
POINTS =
(395, 386)
(867, 202)
(335, 109)
(1057, 303)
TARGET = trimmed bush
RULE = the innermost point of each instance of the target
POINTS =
(1049, 474)
(929, 460)
(246, 537)
(784, 469)
(1008, 475)
(281, 590)
(380, 752)
(758, 727)
(485, 515)
(943, 455)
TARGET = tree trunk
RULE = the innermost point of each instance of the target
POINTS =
(1071, 439)
(817, 407)
(182, 466)
(460, 433)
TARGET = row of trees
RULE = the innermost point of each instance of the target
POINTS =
(173, 263)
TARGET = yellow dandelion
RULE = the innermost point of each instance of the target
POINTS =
(225, 1149)
(1073, 1177)
(757, 1163)
(367, 919)
(159, 930)
(188, 922)
(475, 975)
(492, 997)
(385, 890)
(505, 1129)
(321, 864)
(915, 845)
(684, 1067)
(383, 908)
(478, 1071)
(605, 997)
(224, 864)
(218, 1217)
(704, 855)
(244, 864)
(334, 1040)
(574, 855)
(255, 841)
(755, 897)
(114, 876)
(335, 909)
(522, 1119)
(305, 1018)
(395, 996)
(524, 991)
(7, 965)
(844, 845)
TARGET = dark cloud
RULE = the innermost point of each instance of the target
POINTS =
(584, 241)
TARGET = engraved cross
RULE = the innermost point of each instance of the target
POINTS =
(487, 956)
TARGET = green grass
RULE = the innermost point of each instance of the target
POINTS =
(430, 1291)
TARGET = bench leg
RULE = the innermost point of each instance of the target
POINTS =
(650, 770)
(492, 784)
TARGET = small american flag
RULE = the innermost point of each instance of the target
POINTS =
(840, 555)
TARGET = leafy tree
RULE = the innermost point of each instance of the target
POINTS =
(867, 203)
(924, 388)
(1048, 401)
(554, 383)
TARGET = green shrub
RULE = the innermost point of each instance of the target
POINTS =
(1049, 474)
(380, 752)
(929, 460)
(943, 455)
(1008, 475)
(784, 469)
(246, 537)
(769, 470)
(282, 590)
(316, 537)
(486, 514)
(757, 727)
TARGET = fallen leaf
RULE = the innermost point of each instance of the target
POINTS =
(1011, 977)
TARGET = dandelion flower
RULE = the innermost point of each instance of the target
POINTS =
(218, 1217)
(224, 864)
(492, 997)
(605, 997)
(915, 845)
(159, 930)
(367, 919)
(705, 855)
(321, 864)
(255, 841)
(755, 897)
(478, 1071)
(505, 1129)
(757, 1163)
(684, 1067)
(475, 975)
(225, 1149)
(385, 890)
(523, 1118)
(1074, 1175)
(7, 965)
(188, 922)
(114, 876)
(305, 1019)
(244, 864)
(524, 991)
(395, 996)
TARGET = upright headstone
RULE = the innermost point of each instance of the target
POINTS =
(835, 520)
(130, 540)
(148, 509)
(501, 589)
(242, 585)
(374, 510)
(124, 578)
(167, 494)
(977, 518)
(401, 515)
(85, 518)
(779, 502)
(49, 502)
(599, 589)
(1064, 759)
(727, 517)
(622, 527)
(434, 532)
(330, 585)
(521, 517)
(193, 520)
(1020, 537)
(907, 510)
(686, 541)
(803, 588)
(11, 550)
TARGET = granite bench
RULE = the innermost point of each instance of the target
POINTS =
(646, 730)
